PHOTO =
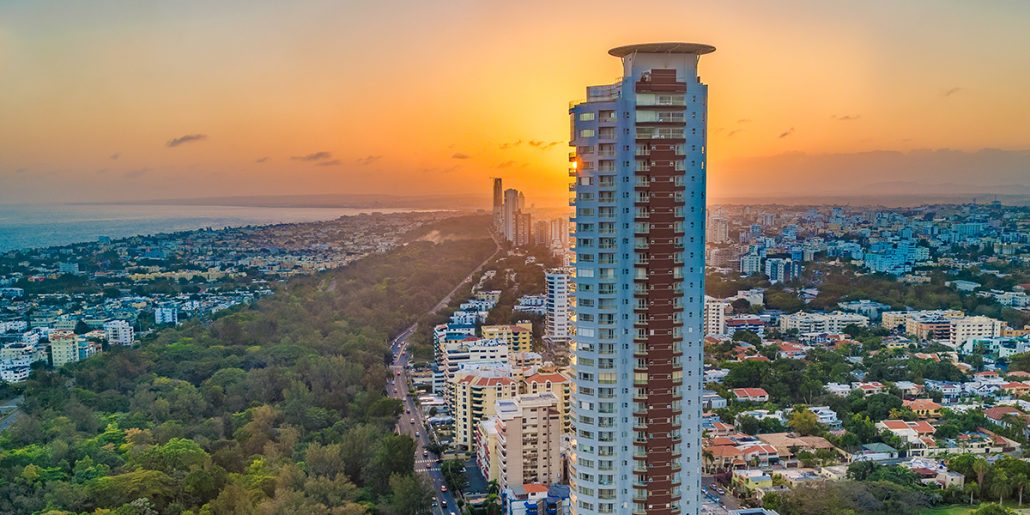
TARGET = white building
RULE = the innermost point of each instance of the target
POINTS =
(166, 314)
(529, 440)
(640, 169)
(964, 329)
(821, 323)
(558, 304)
(119, 332)
(715, 315)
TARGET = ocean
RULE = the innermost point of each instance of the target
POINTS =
(33, 226)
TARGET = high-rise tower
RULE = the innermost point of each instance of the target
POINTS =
(639, 164)
(498, 206)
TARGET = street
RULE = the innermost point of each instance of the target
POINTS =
(397, 387)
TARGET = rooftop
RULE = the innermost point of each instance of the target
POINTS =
(662, 48)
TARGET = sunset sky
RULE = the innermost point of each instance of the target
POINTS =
(117, 100)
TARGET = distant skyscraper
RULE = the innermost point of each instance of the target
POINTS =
(637, 355)
(511, 208)
(498, 205)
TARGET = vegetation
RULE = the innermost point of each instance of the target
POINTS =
(276, 408)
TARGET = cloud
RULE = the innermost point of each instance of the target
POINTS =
(115, 156)
(845, 117)
(459, 155)
(506, 164)
(731, 133)
(137, 173)
(505, 146)
(951, 91)
(182, 140)
(314, 156)
(786, 133)
(543, 145)
(367, 160)
(331, 162)
(744, 120)
(261, 159)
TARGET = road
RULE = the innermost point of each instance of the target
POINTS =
(411, 421)
(718, 503)
(10, 411)
(398, 389)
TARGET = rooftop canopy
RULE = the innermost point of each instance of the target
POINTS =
(662, 48)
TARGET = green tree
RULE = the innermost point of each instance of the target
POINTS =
(803, 421)
(409, 494)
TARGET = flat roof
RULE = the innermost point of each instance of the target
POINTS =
(662, 48)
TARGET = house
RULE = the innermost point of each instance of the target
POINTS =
(840, 390)
(1003, 416)
(924, 408)
(826, 416)
(950, 390)
(906, 429)
(909, 389)
(1016, 389)
(752, 479)
(751, 394)
(868, 389)
(791, 351)
(789, 444)
(710, 399)
(875, 452)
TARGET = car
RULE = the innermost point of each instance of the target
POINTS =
(443, 502)
(412, 421)
(425, 453)
(443, 488)
(417, 434)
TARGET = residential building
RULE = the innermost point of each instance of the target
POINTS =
(558, 304)
(559, 385)
(474, 395)
(821, 323)
(119, 332)
(968, 328)
(640, 168)
(715, 314)
(518, 336)
(529, 439)
(64, 347)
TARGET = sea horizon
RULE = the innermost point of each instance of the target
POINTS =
(24, 226)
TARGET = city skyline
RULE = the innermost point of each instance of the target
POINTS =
(313, 99)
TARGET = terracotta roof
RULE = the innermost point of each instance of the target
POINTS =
(750, 392)
(921, 404)
(534, 488)
(543, 378)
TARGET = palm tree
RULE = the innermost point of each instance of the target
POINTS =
(999, 485)
(971, 488)
(1018, 482)
(980, 467)
(709, 458)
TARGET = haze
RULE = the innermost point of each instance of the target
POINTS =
(117, 101)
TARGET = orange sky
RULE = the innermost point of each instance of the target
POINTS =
(430, 97)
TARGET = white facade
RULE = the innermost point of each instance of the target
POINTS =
(821, 323)
(558, 304)
(640, 168)
(119, 332)
(528, 440)
(715, 316)
(964, 329)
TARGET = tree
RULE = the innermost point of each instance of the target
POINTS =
(992, 509)
(1019, 482)
(747, 337)
(999, 485)
(980, 468)
(803, 421)
(409, 494)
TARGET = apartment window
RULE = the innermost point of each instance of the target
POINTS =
(586, 133)
(586, 117)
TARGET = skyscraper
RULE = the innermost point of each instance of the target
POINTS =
(498, 204)
(558, 304)
(640, 209)
(511, 209)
